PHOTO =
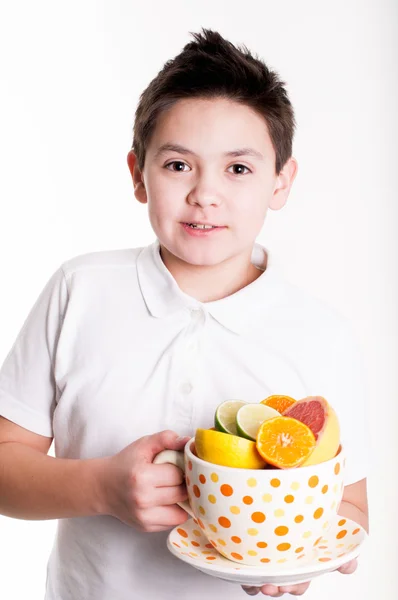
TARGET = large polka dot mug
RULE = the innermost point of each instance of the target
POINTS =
(258, 516)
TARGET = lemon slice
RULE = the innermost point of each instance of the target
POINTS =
(225, 417)
(250, 417)
(227, 450)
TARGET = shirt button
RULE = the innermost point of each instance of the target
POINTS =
(186, 388)
(191, 347)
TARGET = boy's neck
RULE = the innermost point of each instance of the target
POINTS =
(210, 283)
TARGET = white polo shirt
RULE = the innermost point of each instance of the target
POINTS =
(113, 350)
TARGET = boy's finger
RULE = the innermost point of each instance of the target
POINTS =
(349, 567)
(295, 590)
(166, 516)
(250, 590)
(164, 475)
(271, 590)
(181, 442)
(170, 495)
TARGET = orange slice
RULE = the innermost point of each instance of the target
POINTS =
(285, 442)
(280, 403)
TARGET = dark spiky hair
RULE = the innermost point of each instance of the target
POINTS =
(212, 67)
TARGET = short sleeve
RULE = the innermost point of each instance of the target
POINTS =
(349, 398)
(28, 392)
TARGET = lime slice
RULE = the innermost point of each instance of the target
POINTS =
(225, 417)
(250, 417)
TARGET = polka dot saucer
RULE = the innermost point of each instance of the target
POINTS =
(340, 545)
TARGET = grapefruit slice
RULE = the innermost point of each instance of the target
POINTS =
(319, 416)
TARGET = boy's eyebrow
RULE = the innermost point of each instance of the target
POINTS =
(182, 150)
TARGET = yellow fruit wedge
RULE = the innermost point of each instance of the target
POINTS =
(227, 450)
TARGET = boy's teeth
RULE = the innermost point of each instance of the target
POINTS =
(196, 226)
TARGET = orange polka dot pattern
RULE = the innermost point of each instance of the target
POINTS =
(247, 499)
(269, 516)
(188, 541)
(226, 490)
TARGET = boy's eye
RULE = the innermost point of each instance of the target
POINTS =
(178, 164)
(178, 167)
(238, 169)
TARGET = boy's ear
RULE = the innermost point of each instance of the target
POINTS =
(284, 182)
(138, 182)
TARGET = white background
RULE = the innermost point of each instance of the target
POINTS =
(71, 74)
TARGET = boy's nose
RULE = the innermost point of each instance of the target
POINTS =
(203, 196)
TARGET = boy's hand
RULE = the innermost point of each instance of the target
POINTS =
(296, 590)
(140, 493)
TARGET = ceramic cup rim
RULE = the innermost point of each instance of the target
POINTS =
(188, 452)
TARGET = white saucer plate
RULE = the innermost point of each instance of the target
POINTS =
(338, 546)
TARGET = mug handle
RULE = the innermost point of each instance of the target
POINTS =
(174, 458)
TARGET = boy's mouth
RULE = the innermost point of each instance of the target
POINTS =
(202, 229)
(201, 226)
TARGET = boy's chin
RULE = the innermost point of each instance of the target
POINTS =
(208, 258)
(200, 261)
(211, 262)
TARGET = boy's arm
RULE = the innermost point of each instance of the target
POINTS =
(127, 485)
(354, 504)
(36, 486)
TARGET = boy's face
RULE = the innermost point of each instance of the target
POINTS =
(200, 180)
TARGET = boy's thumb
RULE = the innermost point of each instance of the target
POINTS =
(164, 440)
(181, 441)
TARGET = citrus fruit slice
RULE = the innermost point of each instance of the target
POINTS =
(249, 418)
(320, 417)
(280, 403)
(227, 450)
(285, 442)
(225, 417)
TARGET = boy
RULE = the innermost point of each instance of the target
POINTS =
(123, 344)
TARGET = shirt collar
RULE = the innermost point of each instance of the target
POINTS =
(237, 312)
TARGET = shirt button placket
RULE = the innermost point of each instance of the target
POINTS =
(189, 353)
